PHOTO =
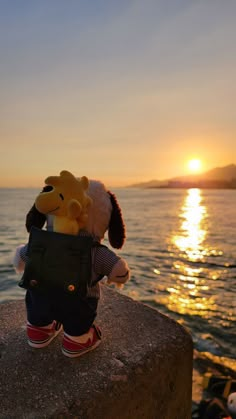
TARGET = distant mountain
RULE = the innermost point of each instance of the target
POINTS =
(226, 173)
(219, 177)
(149, 184)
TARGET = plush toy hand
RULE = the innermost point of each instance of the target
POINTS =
(120, 274)
(74, 209)
(231, 404)
(75, 212)
(18, 262)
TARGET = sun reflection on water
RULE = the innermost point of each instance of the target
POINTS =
(193, 228)
(189, 292)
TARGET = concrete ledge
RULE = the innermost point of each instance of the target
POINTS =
(142, 369)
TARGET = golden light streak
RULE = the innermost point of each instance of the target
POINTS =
(186, 296)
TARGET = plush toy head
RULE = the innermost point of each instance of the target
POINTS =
(103, 212)
(65, 197)
(104, 215)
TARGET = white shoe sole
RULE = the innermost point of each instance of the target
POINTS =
(77, 354)
(36, 345)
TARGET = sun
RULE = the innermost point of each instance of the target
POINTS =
(194, 165)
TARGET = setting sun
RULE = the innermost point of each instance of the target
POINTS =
(194, 165)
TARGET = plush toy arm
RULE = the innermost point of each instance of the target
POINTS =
(109, 264)
(18, 259)
(74, 209)
(120, 273)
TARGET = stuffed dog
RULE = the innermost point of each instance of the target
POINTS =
(63, 265)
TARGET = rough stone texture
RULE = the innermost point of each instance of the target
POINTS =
(142, 369)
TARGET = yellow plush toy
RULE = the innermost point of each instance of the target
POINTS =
(65, 197)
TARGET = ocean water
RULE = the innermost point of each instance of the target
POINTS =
(181, 248)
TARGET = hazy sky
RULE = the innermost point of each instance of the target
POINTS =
(117, 90)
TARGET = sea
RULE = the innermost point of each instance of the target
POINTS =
(181, 249)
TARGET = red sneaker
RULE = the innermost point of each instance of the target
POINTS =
(73, 349)
(39, 337)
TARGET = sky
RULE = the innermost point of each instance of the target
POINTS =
(121, 91)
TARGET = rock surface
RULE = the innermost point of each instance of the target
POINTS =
(142, 369)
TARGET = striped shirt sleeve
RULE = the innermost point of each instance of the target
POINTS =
(104, 260)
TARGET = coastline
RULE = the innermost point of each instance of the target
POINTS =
(204, 364)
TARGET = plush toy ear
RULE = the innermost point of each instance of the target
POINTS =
(85, 182)
(116, 228)
(52, 180)
(56, 180)
(66, 173)
(34, 218)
